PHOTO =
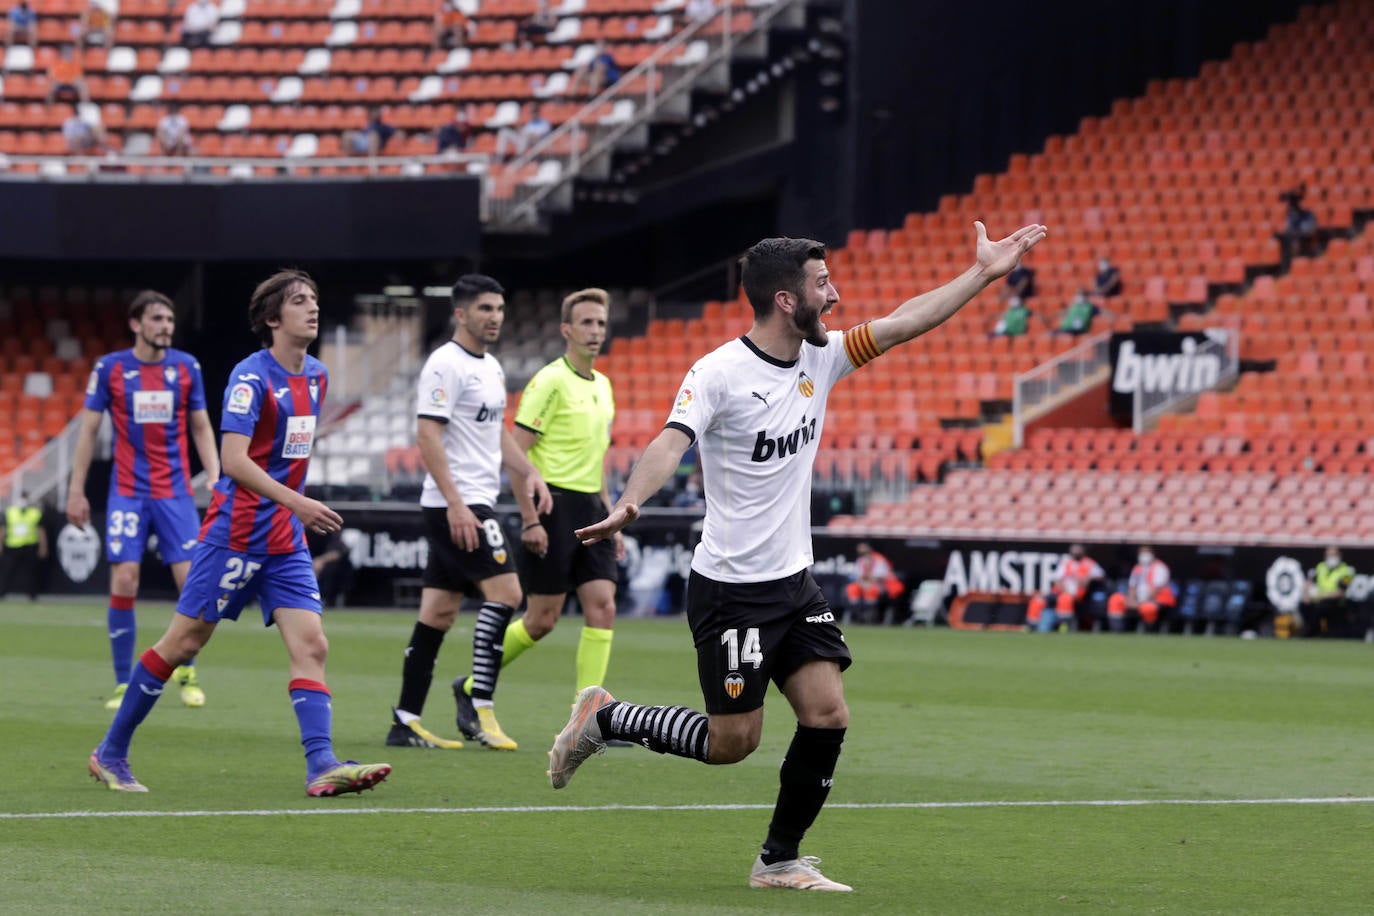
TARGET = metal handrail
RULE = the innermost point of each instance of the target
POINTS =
(1087, 352)
(192, 167)
(526, 211)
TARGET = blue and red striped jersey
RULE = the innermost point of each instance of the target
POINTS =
(277, 410)
(150, 405)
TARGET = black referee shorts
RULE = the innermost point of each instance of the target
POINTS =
(569, 563)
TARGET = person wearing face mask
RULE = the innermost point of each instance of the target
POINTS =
(1067, 588)
(1325, 612)
(872, 584)
(1108, 280)
(1147, 591)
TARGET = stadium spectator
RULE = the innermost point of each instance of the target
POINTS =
(690, 496)
(1299, 235)
(1107, 281)
(755, 611)
(1015, 320)
(198, 23)
(697, 10)
(83, 137)
(252, 545)
(1067, 589)
(155, 396)
(1020, 283)
(521, 138)
(21, 25)
(537, 27)
(96, 26)
(1079, 314)
(456, 134)
(333, 566)
(1147, 591)
(452, 26)
(173, 132)
(563, 425)
(66, 78)
(372, 138)
(872, 587)
(1326, 611)
(461, 402)
(597, 73)
(23, 548)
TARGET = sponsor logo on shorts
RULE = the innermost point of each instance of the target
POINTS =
(734, 684)
(827, 617)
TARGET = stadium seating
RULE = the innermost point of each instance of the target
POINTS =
(279, 71)
(1181, 188)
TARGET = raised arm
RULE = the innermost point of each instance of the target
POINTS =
(918, 315)
(659, 462)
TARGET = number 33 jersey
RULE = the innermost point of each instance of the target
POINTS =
(277, 410)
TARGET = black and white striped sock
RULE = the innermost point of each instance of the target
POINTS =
(487, 638)
(662, 729)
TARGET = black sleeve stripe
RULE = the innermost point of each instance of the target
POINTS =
(436, 419)
(530, 429)
(680, 428)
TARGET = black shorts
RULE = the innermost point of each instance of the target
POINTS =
(569, 563)
(748, 633)
(456, 570)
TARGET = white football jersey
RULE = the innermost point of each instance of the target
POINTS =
(757, 422)
(466, 392)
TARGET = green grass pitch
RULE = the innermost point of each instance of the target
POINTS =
(943, 725)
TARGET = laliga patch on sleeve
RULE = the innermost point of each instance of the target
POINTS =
(684, 400)
(240, 398)
(93, 382)
(438, 396)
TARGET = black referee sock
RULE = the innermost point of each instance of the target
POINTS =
(673, 730)
(806, 776)
(488, 637)
(418, 669)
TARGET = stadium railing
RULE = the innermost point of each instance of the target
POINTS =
(1050, 383)
(663, 78)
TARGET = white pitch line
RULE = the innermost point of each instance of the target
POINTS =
(593, 809)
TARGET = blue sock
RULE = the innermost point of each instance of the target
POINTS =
(310, 700)
(119, 620)
(145, 686)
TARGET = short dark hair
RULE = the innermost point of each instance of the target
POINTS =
(591, 294)
(146, 298)
(265, 303)
(468, 287)
(776, 264)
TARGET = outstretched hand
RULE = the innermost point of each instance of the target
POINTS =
(997, 259)
(610, 526)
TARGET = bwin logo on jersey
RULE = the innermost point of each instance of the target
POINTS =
(490, 414)
(766, 448)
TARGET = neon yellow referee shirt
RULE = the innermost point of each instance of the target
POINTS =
(571, 415)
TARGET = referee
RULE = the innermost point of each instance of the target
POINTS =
(564, 425)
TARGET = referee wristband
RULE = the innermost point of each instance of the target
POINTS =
(532, 525)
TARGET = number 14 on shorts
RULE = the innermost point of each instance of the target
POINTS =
(749, 651)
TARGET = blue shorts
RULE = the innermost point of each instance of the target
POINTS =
(130, 519)
(221, 582)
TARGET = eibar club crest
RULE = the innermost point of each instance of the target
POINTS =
(170, 374)
(734, 684)
(314, 389)
(806, 386)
